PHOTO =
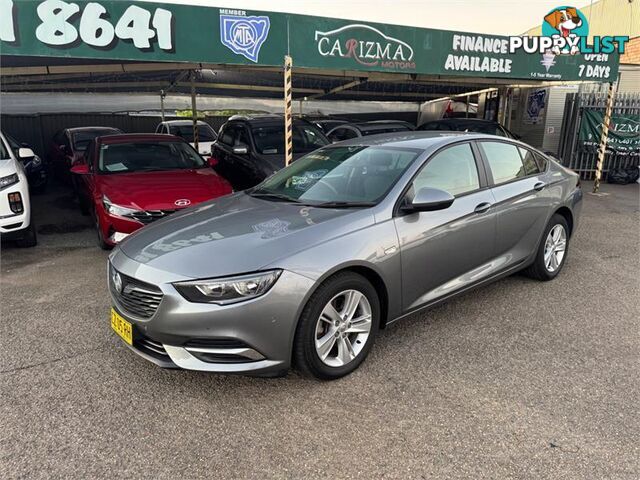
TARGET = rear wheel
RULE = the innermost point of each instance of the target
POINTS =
(337, 327)
(552, 251)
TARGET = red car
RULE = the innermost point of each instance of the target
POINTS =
(68, 145)
(130, 180)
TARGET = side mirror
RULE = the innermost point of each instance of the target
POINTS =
(240, 149)
(428, 200)
(80, 169)
(25, 152)
(212, 161)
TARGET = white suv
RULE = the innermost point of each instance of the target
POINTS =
(15, 208)
(184, 129)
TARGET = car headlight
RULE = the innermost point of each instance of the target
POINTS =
(9, 180)
(224, 291)
(114, 209)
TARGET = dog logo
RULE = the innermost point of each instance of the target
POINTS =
(565, 22)
(244, 35)
(183, 202)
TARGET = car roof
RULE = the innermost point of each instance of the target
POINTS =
(183, 122)
(377, 125)
(464, 120)
(139, 137)
(265, 119)
(88, 129)
(421, 140)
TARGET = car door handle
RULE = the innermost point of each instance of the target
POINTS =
(483, 207)
(539, 186)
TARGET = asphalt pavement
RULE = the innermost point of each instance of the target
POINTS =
(519, 379)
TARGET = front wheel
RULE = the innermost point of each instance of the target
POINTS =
(100, 236)
(29, 237)
(552, 251)
(337, 327)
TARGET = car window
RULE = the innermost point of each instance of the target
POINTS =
(147, 156)
(529, 161)
(504, 161)
(479, 127)
(452, 170)
(205, 132)
(90, 155)
(160, 128)
(542, 162)
(340, 134)
(269, 139)
(355, 174)
(82, 138)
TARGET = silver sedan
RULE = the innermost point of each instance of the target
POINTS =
(306, 267)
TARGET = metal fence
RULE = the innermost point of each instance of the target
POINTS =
(582, 159)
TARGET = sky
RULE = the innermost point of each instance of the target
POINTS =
(504, 17)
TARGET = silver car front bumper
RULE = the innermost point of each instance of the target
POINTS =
(255, 336)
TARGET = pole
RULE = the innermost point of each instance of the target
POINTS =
(162, 104)
(288, 124)
(466, 115)
(604, 135)
(194, 110)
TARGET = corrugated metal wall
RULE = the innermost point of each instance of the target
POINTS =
(37, 130)
(553, 118)
(629, 81)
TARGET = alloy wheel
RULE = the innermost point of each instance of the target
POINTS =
(343, 328)
(555, 247)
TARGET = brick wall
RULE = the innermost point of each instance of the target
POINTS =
(632, 52)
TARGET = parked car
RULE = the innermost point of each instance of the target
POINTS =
(251, 147)
(325, 123)
(477, 125)
(34, 167)
(128, 181)
(184, 129)
(16, 222)
(69, 145)
(308, 265)
(363, 129)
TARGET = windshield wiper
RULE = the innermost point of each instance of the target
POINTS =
(276, 196)
(343, 204)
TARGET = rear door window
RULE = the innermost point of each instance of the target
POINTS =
(504, 160)
(529, 161)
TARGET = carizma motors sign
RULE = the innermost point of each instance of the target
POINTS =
(366, 46)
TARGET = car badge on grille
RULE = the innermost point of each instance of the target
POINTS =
(117, 281)
(183, 202)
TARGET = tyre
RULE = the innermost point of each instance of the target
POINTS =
(337, 327)
(552, 251)
(100, 237)
(29, 237)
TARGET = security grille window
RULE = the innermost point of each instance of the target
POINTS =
(452, 170)
(504, 160)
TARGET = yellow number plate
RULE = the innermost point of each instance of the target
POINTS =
(122, 327)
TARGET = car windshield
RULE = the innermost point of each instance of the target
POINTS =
(269, 139)
(4, 152)
(148, 156)
(339, 176)
(82, 139)
(205, 132)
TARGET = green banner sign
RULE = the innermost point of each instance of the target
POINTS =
(624, 132)
(161, 32)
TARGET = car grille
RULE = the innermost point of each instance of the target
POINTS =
(149, 216)
(135, 297)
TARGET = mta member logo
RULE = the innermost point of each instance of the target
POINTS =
(243, 35)
(367, 46)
